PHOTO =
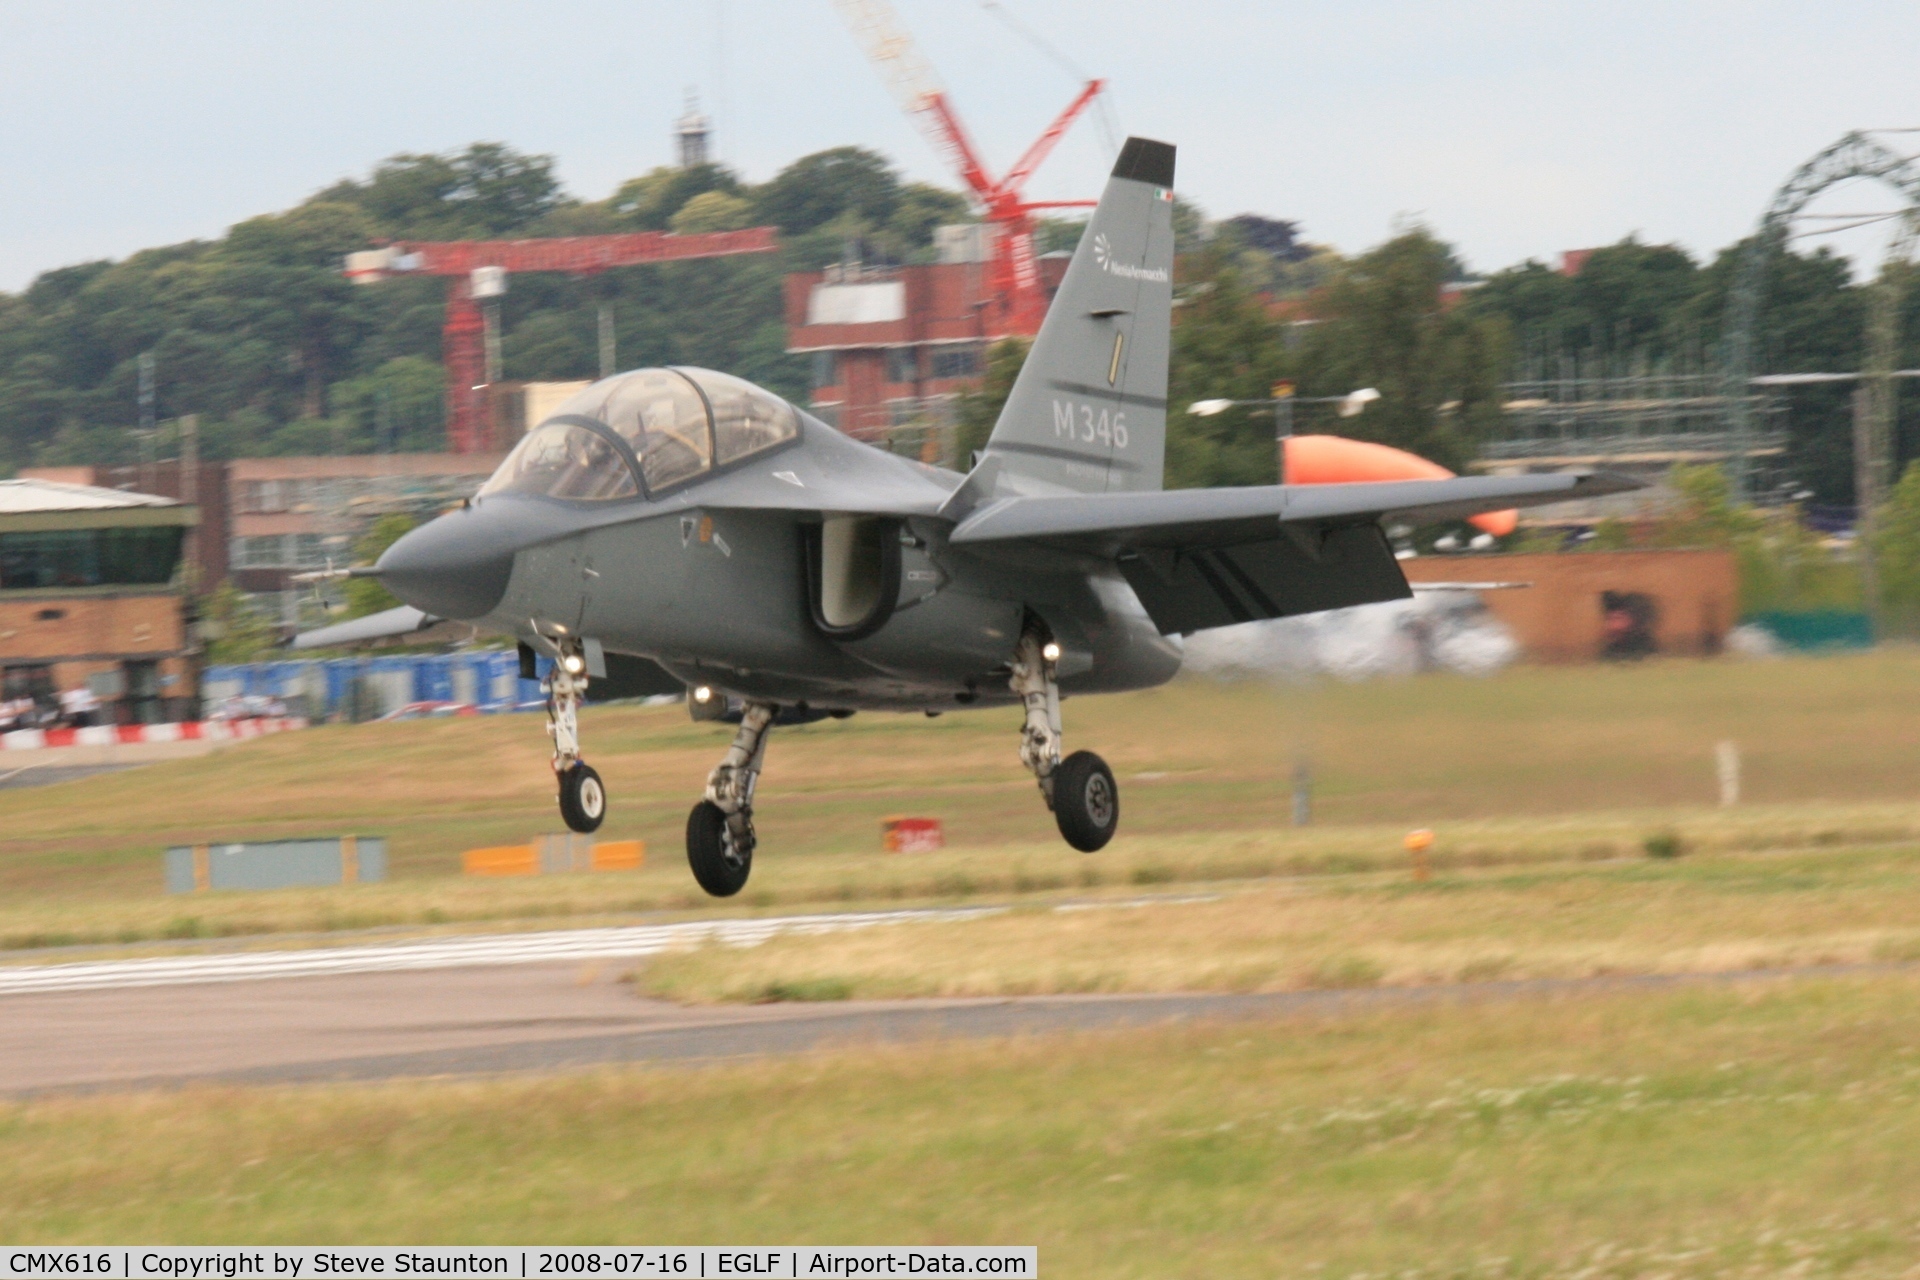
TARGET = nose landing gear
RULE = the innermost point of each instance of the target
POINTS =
(1080, 789)
(720, 837)
(583, 797)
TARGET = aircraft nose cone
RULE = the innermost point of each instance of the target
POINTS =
(455, 566)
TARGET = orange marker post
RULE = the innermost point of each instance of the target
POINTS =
(1418, 842)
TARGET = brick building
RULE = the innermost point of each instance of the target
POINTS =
(91, 595)
(893, 346)
(204, 489)
(295, 514)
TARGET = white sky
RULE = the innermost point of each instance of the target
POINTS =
(1513, 129)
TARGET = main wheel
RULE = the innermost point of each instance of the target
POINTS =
(583, 798)
(720, 862)
(1086, 801)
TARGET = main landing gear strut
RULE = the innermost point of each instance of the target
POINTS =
(583, 797)
(1079, 789)
(720, 829)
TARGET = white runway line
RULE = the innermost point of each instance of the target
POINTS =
(450, 953)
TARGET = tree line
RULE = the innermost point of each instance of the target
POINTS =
(259, 333)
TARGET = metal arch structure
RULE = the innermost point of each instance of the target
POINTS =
(1856, 155)
(1873, 440)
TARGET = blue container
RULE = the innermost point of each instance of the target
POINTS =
(276, 864)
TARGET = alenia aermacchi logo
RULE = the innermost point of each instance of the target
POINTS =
(1103, 254)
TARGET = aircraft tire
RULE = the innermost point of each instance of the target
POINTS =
(1086, 801)
(720, 868)
(583, 798)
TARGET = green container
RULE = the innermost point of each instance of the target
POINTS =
(1818, 628)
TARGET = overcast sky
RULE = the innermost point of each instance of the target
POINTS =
(1513, 129)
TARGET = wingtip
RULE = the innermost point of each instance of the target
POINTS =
(1144, 160)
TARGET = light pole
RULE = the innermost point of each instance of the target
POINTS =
(1352, 405)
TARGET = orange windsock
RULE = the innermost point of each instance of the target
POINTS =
(1337, 460)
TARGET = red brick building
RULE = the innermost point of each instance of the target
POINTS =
(893, 346)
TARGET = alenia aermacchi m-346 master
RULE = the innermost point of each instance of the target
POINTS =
(679, 529)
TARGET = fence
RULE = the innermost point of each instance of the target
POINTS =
(366, 688)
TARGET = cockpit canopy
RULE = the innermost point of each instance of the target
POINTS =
(676, 424)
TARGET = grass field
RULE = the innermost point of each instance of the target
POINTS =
(1757, 1129)
(1716, 914)
(1536, 764)
(1771, 1129)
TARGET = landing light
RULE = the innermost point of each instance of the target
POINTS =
(574, 664)
(1050, 651)
(703, 695)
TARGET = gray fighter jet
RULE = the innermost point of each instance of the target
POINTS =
(680, 529)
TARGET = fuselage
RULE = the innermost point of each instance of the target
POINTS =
(730, 582)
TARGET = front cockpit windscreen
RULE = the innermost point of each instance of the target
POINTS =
(680, 424)
(564, 460)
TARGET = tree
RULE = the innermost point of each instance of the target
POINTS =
(1626, 299)
(816, 189)
(1437, 367)
(712, 211)
(397, 408)
(1896, 547)
(1811, 319)
(366, 595)
(652, 201)
(920, 208)
(979, 410)
(235, 631)
(1224, 347)
(485, 191)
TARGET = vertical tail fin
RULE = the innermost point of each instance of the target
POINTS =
(1089, 410)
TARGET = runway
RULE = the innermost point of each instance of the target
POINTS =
(480, 1021)
(546, 1016)
(628, 942)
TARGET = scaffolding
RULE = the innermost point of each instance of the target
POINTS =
(1592, 409)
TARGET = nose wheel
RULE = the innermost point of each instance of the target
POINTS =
(583, 797)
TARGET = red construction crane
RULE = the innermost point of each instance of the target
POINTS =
(1011, 274)
(463, 336)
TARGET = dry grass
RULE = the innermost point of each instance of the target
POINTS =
(1832, 746)
(1729, 913)
(1039, 872)
(1763, 1131)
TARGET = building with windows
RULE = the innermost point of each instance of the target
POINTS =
(289, 515)
(893, 347)
(91, 599)
(203, 487)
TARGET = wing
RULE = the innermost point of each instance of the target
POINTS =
(1201, 558)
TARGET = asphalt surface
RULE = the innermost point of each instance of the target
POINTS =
(502, 1019)
(484, 1021)
(46, 774)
